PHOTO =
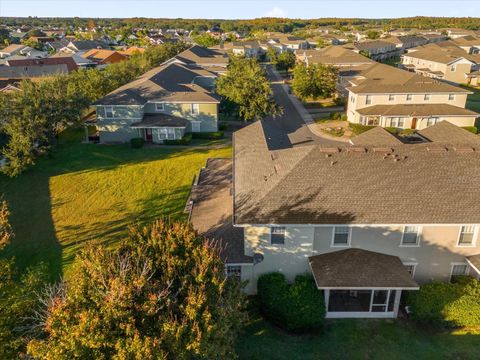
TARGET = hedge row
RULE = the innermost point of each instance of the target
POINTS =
(298, 307)
(208, 135)
(472, 129)
(185, 140)
(454, 304)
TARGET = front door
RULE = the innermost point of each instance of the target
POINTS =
(414, 123)
(148, 135)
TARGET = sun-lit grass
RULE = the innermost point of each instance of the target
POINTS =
(84, 192)
(356, 339)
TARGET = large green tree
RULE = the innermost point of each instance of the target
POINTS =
(161, 295)
(314, 81)
(285, 61)
(246, 85)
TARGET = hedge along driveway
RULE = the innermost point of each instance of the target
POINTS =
(84, 192)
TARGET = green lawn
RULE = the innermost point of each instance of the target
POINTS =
(356, 339)
(473, 100)
(85, 191)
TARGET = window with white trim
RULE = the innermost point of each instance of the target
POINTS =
(410, 236)
(108, 111)
(397, 122)
(451, 97)
(341, 236)
(277, 235)
(453, 68)
(466, 237)
(233, 271)
(368, 99)
(195, 109)
(458, 270)
(410, 268)
(159, 107)
(432, 121)
(427, 97)
(391, 97)
(409, 97)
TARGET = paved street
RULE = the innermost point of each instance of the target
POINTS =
(290, 123)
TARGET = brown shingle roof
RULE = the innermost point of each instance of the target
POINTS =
(416, 110)
(376, 136)
(335, 55)
(358, 268)
(475, 261)
(408, 184)
(68, 61)
(201, 56)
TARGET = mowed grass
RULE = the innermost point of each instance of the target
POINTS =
(85, 192)
(356, 339)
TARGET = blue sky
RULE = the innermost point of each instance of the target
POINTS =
(245, 9)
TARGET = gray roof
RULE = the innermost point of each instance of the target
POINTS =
(169, 83)
(199, 55)
(358, 268)
(425, 183)
(211, 209)
(160, 120)
(475, 261)
(89, 44)
(416, 110)
(32, 71)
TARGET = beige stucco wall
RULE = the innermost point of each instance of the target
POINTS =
(457, 75)
(437, 250)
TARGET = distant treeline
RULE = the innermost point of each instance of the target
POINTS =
(267, 24)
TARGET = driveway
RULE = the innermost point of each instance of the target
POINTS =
(293, 126)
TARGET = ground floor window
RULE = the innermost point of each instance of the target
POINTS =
(362, 300)
(432, 121)
(458, 270)
(233, 271)
(166, 134)
(397, 122)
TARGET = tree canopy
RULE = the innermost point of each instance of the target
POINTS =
(246, 85)
(161, 295)
(314, 81)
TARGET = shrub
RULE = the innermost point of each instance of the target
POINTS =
(185, 140)
(451, 304)
(222, 127)
(335, 116)
(137, 142)
(298, 307)
(472, 129)
(208, 135)
(357, 129)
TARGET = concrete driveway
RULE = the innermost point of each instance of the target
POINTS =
(291, 123)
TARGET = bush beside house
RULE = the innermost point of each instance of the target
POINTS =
(454, 304)
(137, 143)
(298, 307)
(185, 140)
(208, 135)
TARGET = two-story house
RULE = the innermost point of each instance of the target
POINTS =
(390, 97)
(445, 61)
(368, 220)
(215, 60)
(377, 50)
(163, 104)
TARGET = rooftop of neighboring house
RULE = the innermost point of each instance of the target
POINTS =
(132, 50)
(334, 55)
(68, 61)
(378, 179)
(370, 45)
(385, 79)
(32, 71)
(468, 40)
(416, 110)
(406, 39)
(172, 82)
(88, 44)
(12, 48)
(80, 61)
(203, 56)
(104, 55)
(443, 52)
(246, 44)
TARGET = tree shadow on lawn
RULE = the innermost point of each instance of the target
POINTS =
(30, 201)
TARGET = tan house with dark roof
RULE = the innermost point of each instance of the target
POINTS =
(390, 97)
(369, 220)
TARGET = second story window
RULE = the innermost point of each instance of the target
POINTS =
(391, 97)
(458, 269)
(410, 268)
(341, 236)
(451, 97)
(277, 235)
(427, 97)
(195, 109)
(109, 111)
(409, 97)
(410, 236)
(368, 99)
(453, 68)
(159, 107)
(466, 237)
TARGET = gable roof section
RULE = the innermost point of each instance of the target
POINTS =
(171, 83)
(416, 110)
(359, 184)
(335, 55)
(375, 137)
(199, 55)
(68, 61)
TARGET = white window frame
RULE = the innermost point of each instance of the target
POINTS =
(391, 97)
(106, 112)
(195, 109)
(409, 97)
(453, 264)
(474, 236)
(427, 97)
(159, 107)
(349, 238)
(368, 100)
(236, 273)
(451, 97)
(413, 264)
(419, 236)
(284, 234)
(162, 131)
(196, 123)
(453, 67)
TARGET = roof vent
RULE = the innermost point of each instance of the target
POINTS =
(464, 149)
(357, 149)
(383, 149)
(329, 149)
(437, 149)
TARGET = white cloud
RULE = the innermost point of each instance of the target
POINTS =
(276, 12)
